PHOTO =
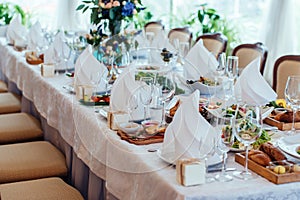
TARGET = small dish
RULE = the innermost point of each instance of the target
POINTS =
(205, 89)
(150, 126)
(129, 127)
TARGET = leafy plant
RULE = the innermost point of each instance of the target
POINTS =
(8, 10)
(211, 22)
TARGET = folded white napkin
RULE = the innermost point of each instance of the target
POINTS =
(188, 128)
(54, 54)
(252, 88)
(202, 62)
(161, 41)
(16, 32)
(89, 71)
(122, 90)
(35, 37)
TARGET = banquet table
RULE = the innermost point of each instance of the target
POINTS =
(121, 169)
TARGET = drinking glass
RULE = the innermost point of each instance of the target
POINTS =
(247, 129)
(232, 69)
(207, 149)
(132, 105)
(223, 126)
(292, 96)
(66, 53)
(150, 37)
(146, 93)
(167, 90)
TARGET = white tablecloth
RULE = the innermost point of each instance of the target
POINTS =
(130, 171)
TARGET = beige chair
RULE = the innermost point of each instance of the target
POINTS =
(30, 160)
(19, 127)
(154, 27)
(3, 87)
(284, 67)
(9, 103)
(40, 189)
(214, 42)
(248, 53)
(184, 35)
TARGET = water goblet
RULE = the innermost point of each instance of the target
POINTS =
(247, 129)
(167, 91)
(223, 126)
(207, 148)
(146, 93)
(292, 96)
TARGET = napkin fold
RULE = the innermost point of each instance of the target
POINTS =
(35, 36)
(202, 62)
(161, 41)
(16, 32)
(122, 90)
(184, 134)
(54, 54)
(252, 88)
(87, 67)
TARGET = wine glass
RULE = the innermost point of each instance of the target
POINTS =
(167, 90)
(207, 148)
(146, 93)
(132, 105)
(223, 126)
(247, 129)
(292, 96)
(66, 53)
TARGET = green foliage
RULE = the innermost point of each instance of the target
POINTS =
(210, 21)
(8, 10)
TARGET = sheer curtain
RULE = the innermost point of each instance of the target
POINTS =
(278, 33)
(70, 19)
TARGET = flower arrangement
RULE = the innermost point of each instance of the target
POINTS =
(111, 14)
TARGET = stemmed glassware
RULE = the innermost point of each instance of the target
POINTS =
(292, 96)
(167, 90)
(132, 106)
(207, 148)
(247, 129)
(146, 93)
(223, 126)
(66, 53)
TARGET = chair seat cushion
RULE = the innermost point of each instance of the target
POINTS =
(30, 160)
(19, 127)
(46, 189)
(3, 86)
(9, 103)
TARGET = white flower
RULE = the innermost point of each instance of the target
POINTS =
(124, 3)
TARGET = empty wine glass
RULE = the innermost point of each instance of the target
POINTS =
(132, 105)
(146, 93)
(292, 96)
(167, 90)
(223, 126)
(247, 129)
(207, 149)
(66, 53)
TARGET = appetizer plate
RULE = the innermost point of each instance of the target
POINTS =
(170, 158)
(91, 103)
(205, 89)
(290, 149)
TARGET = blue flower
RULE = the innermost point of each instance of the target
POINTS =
(127, 9)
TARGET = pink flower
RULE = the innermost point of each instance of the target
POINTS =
(134, 11)
(116, 3)
(108, 5)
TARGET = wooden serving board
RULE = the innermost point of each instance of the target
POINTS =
(267, 173)
(141, 141)
(281, 125)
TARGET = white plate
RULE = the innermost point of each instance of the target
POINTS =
(170, 158)
(205, 89)
(289, 148)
